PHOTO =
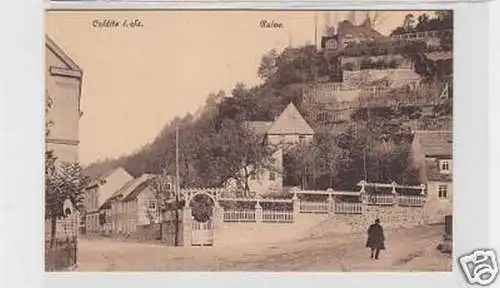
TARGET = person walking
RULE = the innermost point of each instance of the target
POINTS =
(375, 239)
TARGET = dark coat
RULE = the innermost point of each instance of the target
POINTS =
(376, 237)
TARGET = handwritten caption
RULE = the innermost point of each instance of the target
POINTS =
(112, 23)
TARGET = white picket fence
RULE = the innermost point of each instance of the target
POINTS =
(314, 207)
(233, 215)
(273, 216)
(348, 208)
(410, 200)
(379, 199)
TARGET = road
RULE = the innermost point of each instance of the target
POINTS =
(407, 250)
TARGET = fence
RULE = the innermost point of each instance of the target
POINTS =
(61, 248)
(421, 35)
(239, 215)
(62, 255)
(410, 200)
(277, 216)
(371, 199)
(314, 207)
(348, 208)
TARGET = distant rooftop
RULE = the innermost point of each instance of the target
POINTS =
(435, 143)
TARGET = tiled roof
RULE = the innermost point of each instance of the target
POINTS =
(290, 122)
(435, 143)
(432, 171)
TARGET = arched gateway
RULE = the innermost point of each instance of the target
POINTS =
(200, 210)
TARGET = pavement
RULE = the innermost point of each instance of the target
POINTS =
(407, 250)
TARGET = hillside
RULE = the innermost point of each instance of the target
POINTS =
(214, 144)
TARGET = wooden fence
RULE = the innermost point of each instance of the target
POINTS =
(314, 207)
(62, 255)
(381, 200)
(411, 201)
(273, 216)
(233, 215)
(388, 200)
(61, 248)
(348, 208)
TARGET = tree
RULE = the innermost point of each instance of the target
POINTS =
(268, 67)
(63, 181)
(238, 153)
(161, 187)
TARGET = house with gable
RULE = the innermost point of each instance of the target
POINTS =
(133, 205)
(98, 192)
(63, 80)
(289, 129)
(432, 156)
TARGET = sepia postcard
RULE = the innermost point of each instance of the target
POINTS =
(212, 140)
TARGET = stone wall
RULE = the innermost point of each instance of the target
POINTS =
(391, 217)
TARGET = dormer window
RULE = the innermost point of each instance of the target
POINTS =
(444, 166)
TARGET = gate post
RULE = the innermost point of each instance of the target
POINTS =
(331, 201)
(258, 212)
(218, 214)
(296, 205)
(187, 226)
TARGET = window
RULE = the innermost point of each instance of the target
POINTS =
(152, 204)
(302, 138)
(443, 191)
(272, 176)
(252, 176)
(169, 186)
(444, 166)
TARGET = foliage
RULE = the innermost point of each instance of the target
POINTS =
(215, 144)
(442, 21)
(63, 181)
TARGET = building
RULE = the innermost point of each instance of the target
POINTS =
(135, 204)
(63, 80)
(267, 179)
(96, 195)
(432, 156)
(289, 128)
(349, 33)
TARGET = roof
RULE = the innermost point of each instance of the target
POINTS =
(132, 188)
(358, 31)
(259, 127)
(103, 176)
(433, 173)
(59, 52)
(440, 55)
(435, 143)
(290, 122)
